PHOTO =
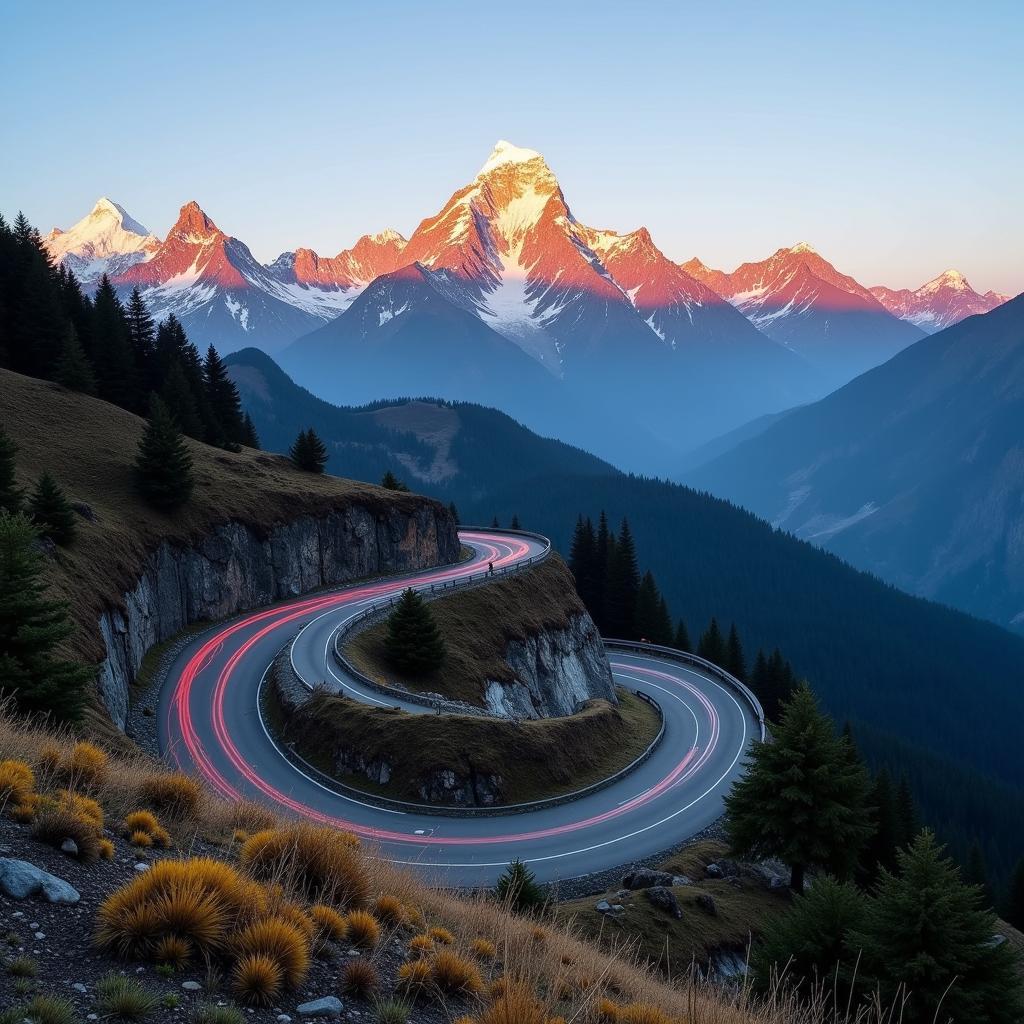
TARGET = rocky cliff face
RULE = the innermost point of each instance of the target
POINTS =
(234, 568)
(555, 671)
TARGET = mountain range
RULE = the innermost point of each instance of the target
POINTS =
(503, 282)
(914, 471)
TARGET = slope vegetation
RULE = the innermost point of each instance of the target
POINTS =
(914, 471)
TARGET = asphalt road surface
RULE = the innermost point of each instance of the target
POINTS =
(210, 724)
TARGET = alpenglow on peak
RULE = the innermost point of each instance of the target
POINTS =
(505, 153)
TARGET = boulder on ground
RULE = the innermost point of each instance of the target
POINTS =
(644, 878)
(19, 879)
(663, 898)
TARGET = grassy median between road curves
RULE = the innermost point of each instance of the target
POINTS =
(489, 759)
(477, 625)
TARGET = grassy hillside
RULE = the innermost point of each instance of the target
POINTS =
(252, 846)
(477, 625)
(452, 449)
(89, 447)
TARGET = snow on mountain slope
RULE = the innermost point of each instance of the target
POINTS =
(106, 241)
(221, 293)
(942, 302)
(681, 310)
(337, 280)
(800, 300)
(525, 265)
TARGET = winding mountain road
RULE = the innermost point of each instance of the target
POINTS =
(210, 724)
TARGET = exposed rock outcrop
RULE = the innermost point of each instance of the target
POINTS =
(555, 671)
(235, 568)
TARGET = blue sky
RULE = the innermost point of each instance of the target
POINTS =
(890, 135)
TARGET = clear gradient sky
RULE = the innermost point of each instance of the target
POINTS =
(890, 135)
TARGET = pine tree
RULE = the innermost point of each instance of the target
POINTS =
(711, 646)
(800, 798)
(623, 586)
(518, 890)
(682, 638)
(514, 525)
(52, 512)
(976, 873)
(225, 405)
(32, 629)
(163, 466)
(653, 623)
(308, 452)
(11, 496)
(604, 547)
(454, 512)
(1013, 907)
(73, 368)
(662, 632)
(116, 370)
(926, 934)
(391, 482)
(908, 824)
(141, 337)
(806, 945)
(773, 681)
(735, 663)
(414, 643)
(249, 436)
(583, 563)
(495, 525)
(179, 397)
(880, 850)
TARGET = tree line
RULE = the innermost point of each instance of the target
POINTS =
(102, 346)
(628, 605)
(888, 916)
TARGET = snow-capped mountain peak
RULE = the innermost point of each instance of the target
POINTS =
(941, 302)
(106, 241)
(947, 279)
(803, 247)
(505, 153)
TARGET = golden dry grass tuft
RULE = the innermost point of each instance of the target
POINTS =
(420, 945)
(257, 979)
(359, 978)
(642, 1013)
(282, 941)
(363, 929)
(328, 922)
(141, 821)
(484, 949)
(17, 781)
(442, 936)
(140, 839)
(414, 975)
(86, 765)
(390, 910)
(317, 862)
(454, 973)
(173, 950)
(172, 793)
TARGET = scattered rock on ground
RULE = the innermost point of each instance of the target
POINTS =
(707, 904)
(663, 898)
(644, 878)
(328, 1006)
(20, 879)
